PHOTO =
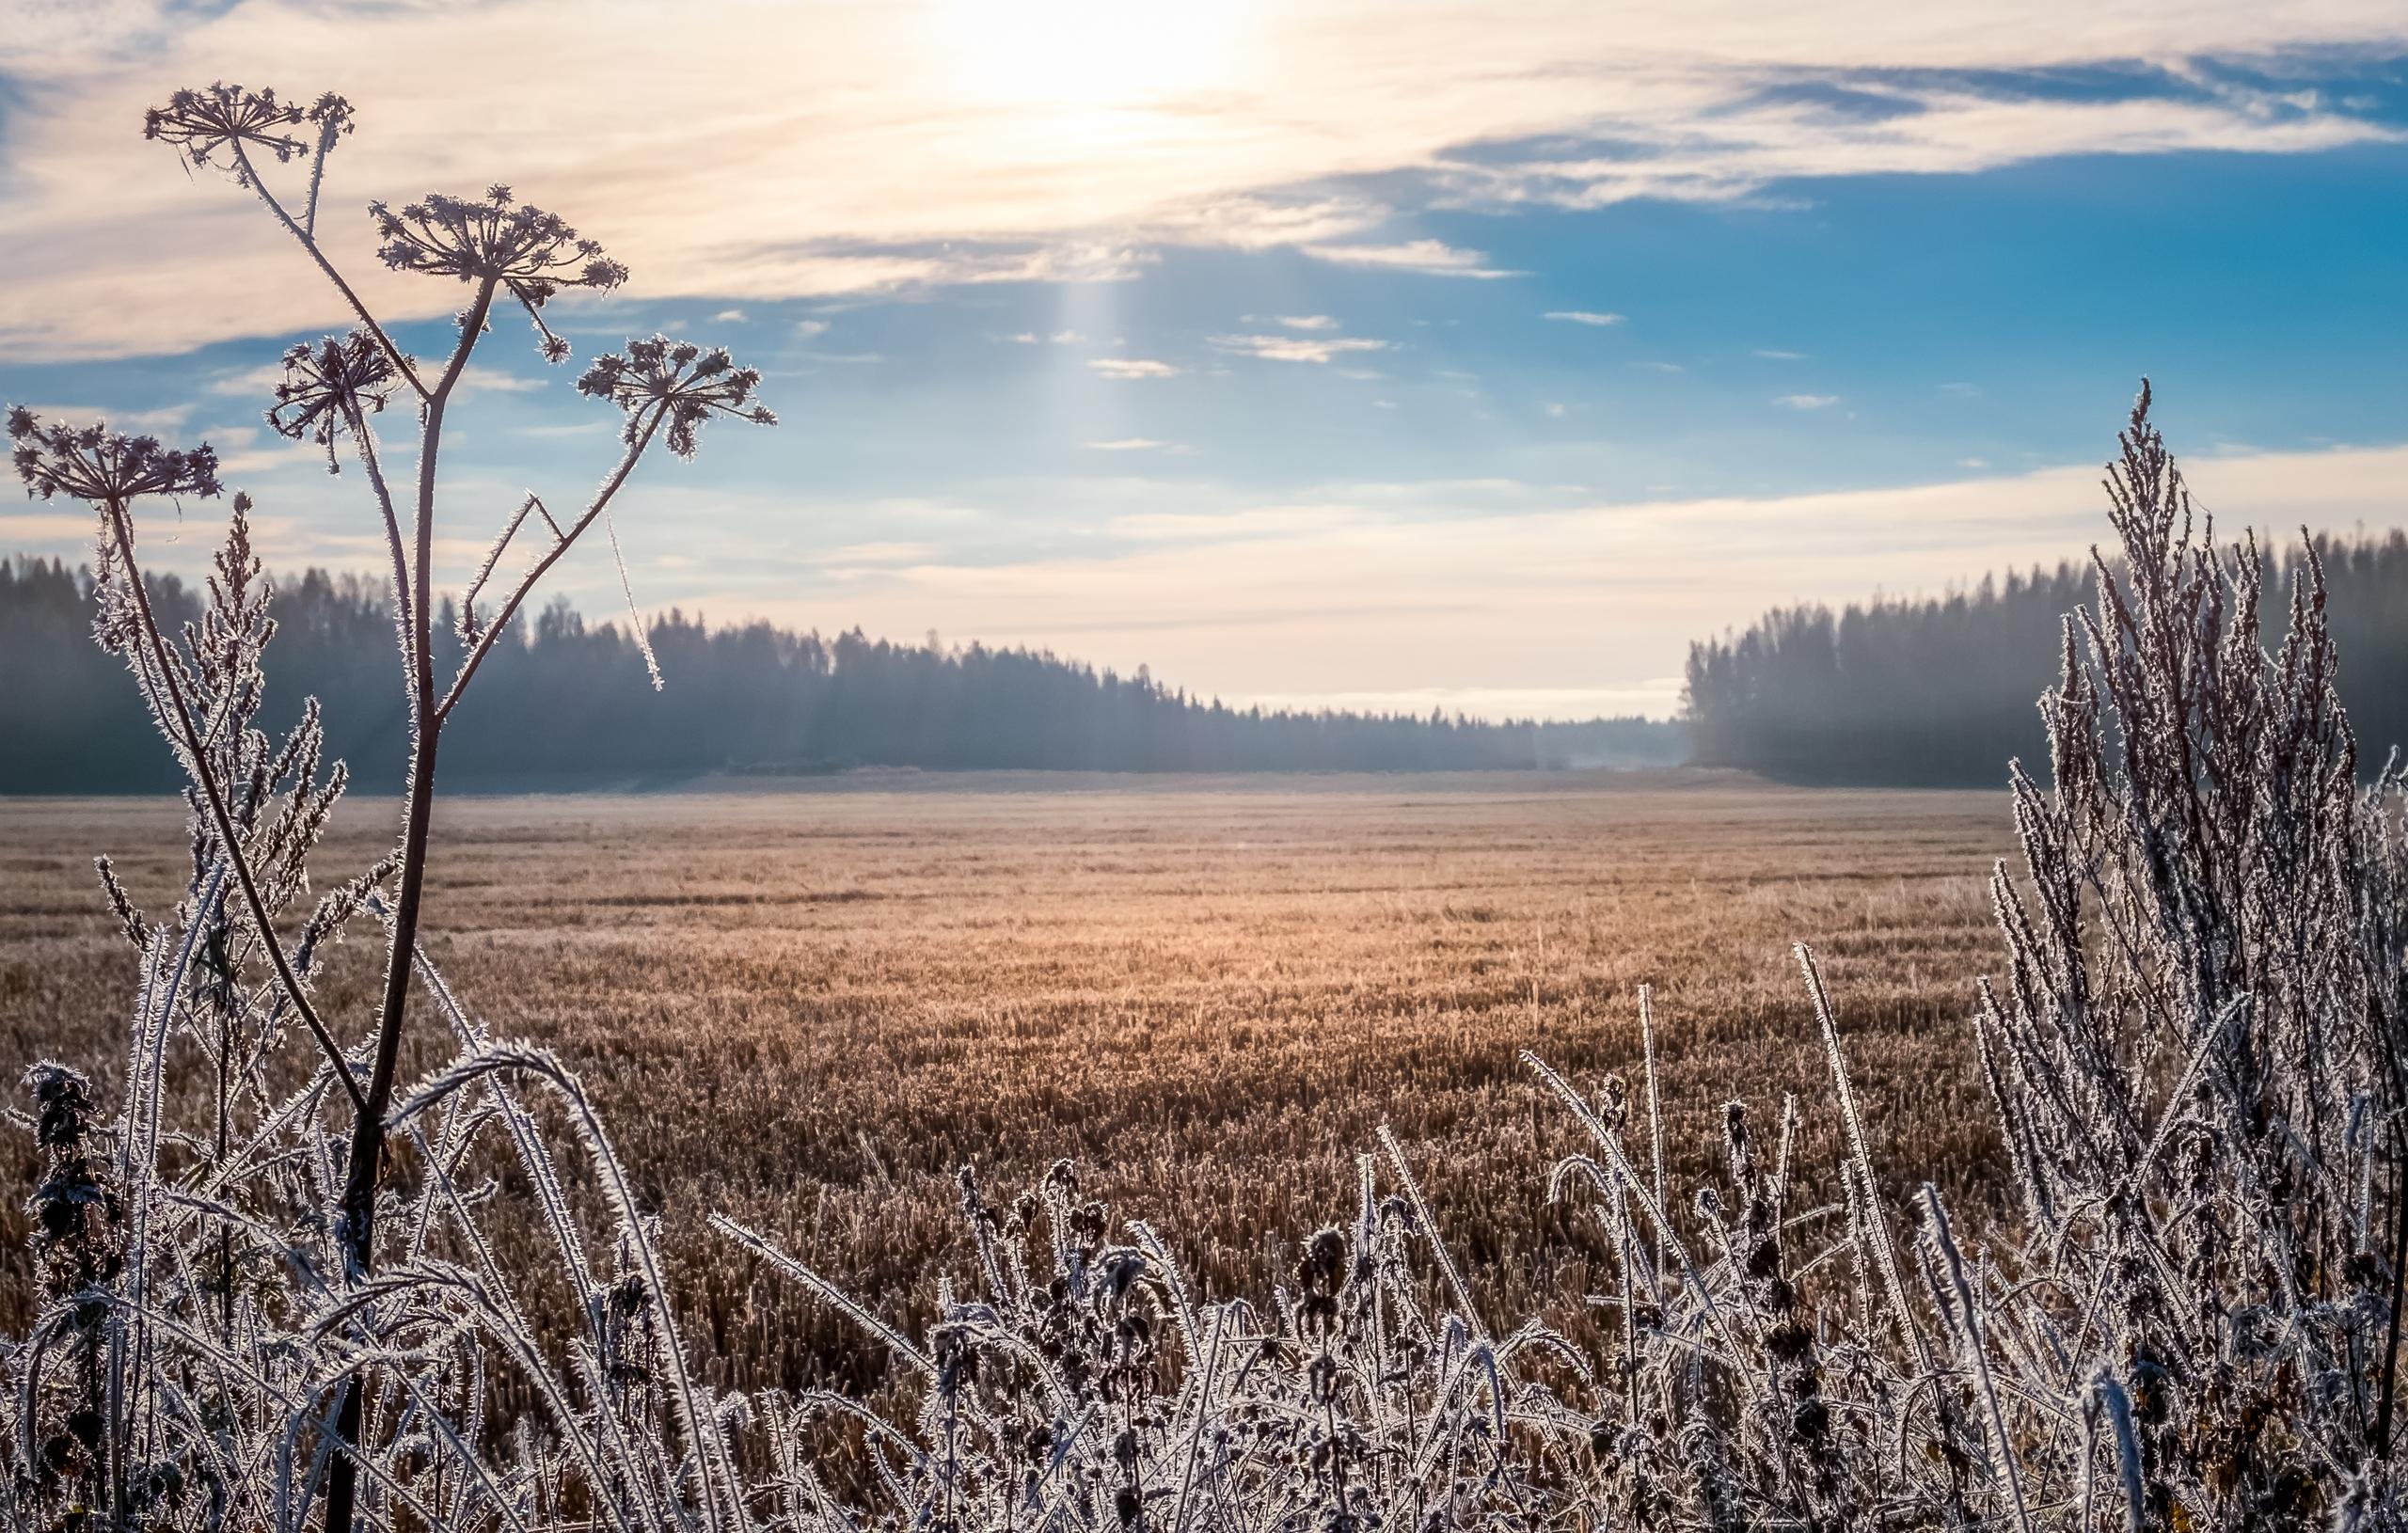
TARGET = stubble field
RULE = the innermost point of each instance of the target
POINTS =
(808, 1008)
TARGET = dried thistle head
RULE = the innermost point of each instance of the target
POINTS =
(227, 118)
(684, 383)
(93, 462)
(327, 386)
(63, 1105)
(532, 253)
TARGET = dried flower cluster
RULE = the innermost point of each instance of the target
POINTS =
(222, 118)
(328, 388)
(674, 383)
(2193, 1322)
(106, 468)
(495, 240)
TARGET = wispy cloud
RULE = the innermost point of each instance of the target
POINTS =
(1140, 444)
(1806, 401)
(1133, 366)
(1308, 322)
(1295, 348)
(1431, 258)
(1774, 354)
(166, 418)
(1529, 593)
(476, 378)
(808, 329)
(902, 159)
(728, 316)
(1583, 316)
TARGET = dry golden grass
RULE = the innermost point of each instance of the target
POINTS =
(808, 1007)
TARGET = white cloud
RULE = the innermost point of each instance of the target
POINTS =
(1131, 367)
(1807, 401)
(852, 149)
(247, 382)
(1583, 316)
(1431, 258)
(1140, 444)
(808, 329)
(1294, 348)
(1308, 322)
(1369, 593)
(1555, 411)
(130, 421)
(883, 553)
(476, 378)
(728, 316)
(1774, 354)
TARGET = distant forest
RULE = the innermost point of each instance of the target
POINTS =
(1942, 691)
(561, 703)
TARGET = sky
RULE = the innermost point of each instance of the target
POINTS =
(1397, 354)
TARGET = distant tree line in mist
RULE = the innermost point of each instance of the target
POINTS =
(1939, 692)
(564, 704)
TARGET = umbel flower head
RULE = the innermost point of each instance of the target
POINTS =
(326, 385)
(532, 253)
(686, 382)
(228, 119)
(93, 462)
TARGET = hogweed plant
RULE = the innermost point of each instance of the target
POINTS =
(205, 690)
(2192, 1318)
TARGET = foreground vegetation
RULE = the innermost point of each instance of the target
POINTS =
(293, 1310)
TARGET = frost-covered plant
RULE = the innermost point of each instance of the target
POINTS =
(2192, 1322)
(258, 813)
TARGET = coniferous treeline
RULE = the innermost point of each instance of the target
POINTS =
(1938, 691)
(563, 703)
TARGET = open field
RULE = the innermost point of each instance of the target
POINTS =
(807, 1006)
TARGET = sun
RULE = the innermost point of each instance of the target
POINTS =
(1075, 55)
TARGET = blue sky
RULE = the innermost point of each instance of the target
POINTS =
(1482, 361)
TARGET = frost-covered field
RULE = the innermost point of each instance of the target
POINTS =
(808, 1008)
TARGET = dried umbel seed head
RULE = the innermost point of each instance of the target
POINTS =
(532, 253)
(679, 380)
(93, 462)
(333, 118)
(225, 124)
(326, 386)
